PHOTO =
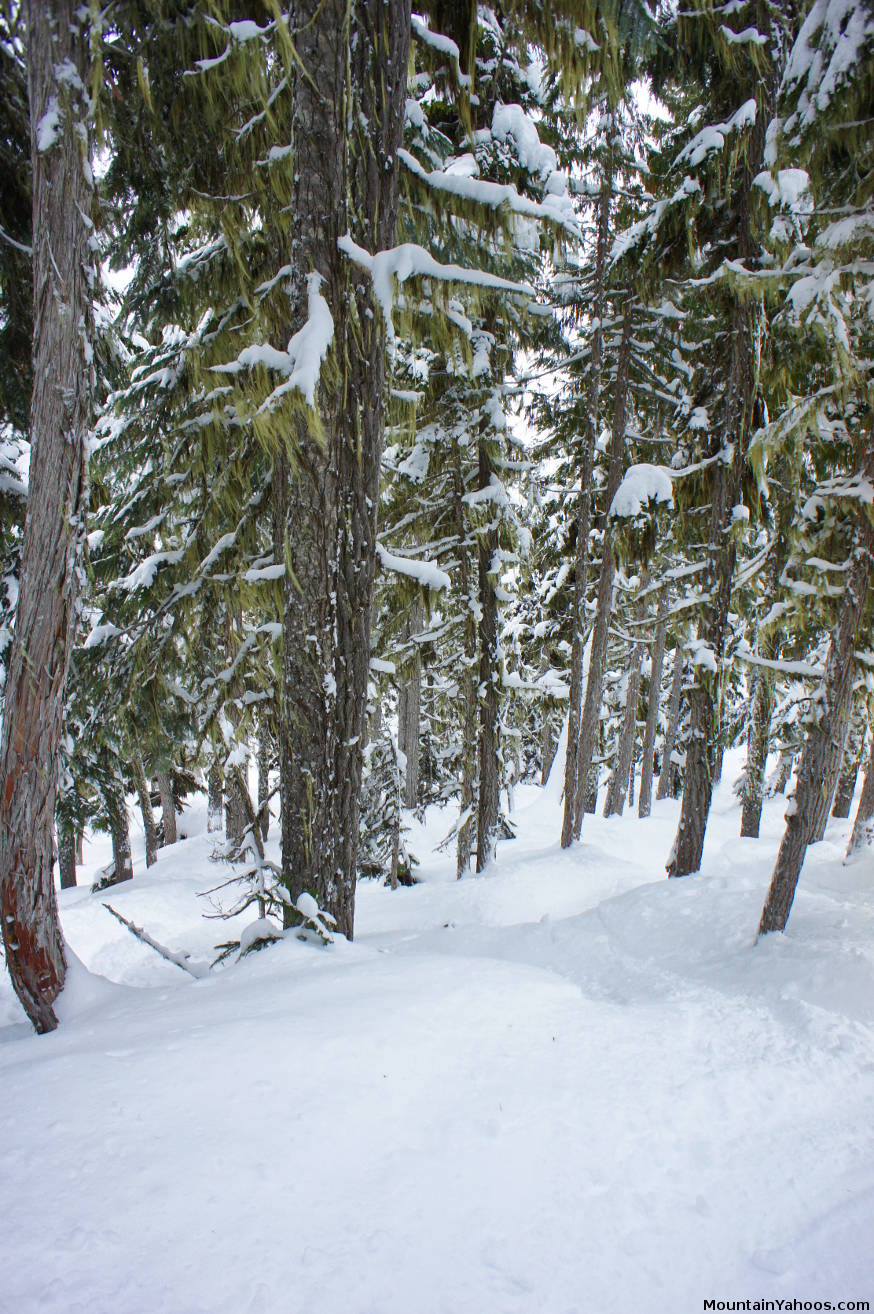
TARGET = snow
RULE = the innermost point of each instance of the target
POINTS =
(425, 572)
(49, 126)
(567, 1085)
(641, 485)
(513, 123)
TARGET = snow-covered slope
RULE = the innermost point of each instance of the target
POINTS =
(567, 1087)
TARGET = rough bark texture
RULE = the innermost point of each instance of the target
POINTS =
(852, 761)
(488, 769)
(829, 782)
(61, 409)
(590, 721)
(66, 855)
(833, 699)
(584, 516)
(863, 826)
(668, 773)
(264, 784)
(757, 748)
(144, 799)
(237, 805)
(168, 806)
(354, 59)
(644, 802)
(619, 781)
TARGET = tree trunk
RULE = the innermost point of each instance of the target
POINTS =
(489, 781)
(66, 855)
(846, 787)
(80, 847)
(61, 408)
(145, 802)
(863, 826)
(168, 806)
(644, 802)
(214, 807)
(409, 709)
(468, 693)
(119, 828)
(835, 695)
(547, 748)
(829, 781)
(584, 515)
(604, 607)
(784, 771)
(758, 738)
(668, 773)
(348, 98)
(264, 783)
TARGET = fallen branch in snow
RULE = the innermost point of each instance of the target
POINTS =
(183, 960)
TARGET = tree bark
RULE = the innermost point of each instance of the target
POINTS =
(145, 802)
(214, 809)
(590, 722)
(168, 806)
(644, 802)
(61, 410)
(829, 781)
(326, 509)
(468, 692)
(834, 697)
(489, 776)
(409, 709)
(668, 773)
(618, 787)
(852, 761)
(757, 748)
(264, 783)
(584, 514)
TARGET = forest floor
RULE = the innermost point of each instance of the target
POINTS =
(568, 1086)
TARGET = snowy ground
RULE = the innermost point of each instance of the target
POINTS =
(567, 1087)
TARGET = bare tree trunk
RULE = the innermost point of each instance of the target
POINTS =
(598, 650)
(784, 771)
(467, 821)
(66, 855)
(489, 782)
(668, 773)
(348, 97)
(61, 409)
(80, 847)
(145, 802)
(757, 749)
(548, 745)
(852, 761)
(835, 694)
(409, 710)
(863, 826)
(829, 780)
(119, 827)
(214, 808)
(644, 802)
(584, 515)
(168, 806)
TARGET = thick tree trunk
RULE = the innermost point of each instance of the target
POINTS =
(835, 695)
(644, 802)
(61, 409)
(80, 847)
(325, 512)
(264, 784)
(829, 781)
(863, 827)
(851, 763)
(468, 691)
(668, 773)
(144, 799)
(119, 828)
(168, 806)
(584, 515)
(590, 722)
(237, 807)
(489, 776)
(66, 855)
